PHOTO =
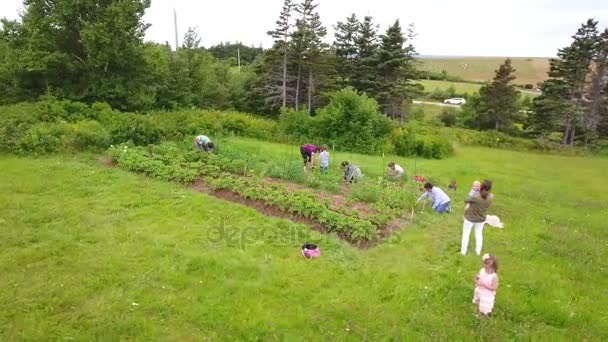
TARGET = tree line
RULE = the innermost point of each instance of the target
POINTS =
(301, 68)
(92, 51)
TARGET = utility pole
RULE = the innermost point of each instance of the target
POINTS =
(175, 23)
(238, 57)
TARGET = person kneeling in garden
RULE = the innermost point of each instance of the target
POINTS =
(395, 171)
(441, 201)
(352, 173)
(202, 142)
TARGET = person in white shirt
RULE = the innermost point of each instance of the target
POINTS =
(324, 159)
(395, 171)
(441, 201)
(202, 142)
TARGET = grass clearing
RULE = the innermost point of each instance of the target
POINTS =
(95, 253)
(462, 87)
(528, 70)
(459, 87)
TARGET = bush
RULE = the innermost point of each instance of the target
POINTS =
(417, 140)
(86, 135)
(295, 124)
(352, 122)
(449, 117)
(138, 129)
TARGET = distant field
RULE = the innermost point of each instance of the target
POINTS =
(528, 70)
(460, 87)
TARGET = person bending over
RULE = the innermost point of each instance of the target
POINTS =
(440, 200)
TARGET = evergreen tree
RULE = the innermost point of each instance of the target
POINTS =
(573, 66)
(281, 36)
(310, 48)
(345, 46)
(365, 74)
(498, 106)
(596, 100)
(550, 109)
(394, 63)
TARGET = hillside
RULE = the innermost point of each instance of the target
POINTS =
(97, 253)
(529, 70)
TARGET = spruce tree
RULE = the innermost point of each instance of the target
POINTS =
(392, 63)
(365, 75)
(550, 109)
(573, 66)
(391, 56)
(281, 36)
(346, 48)
(309, 47)
(498, 106)
(596, 100)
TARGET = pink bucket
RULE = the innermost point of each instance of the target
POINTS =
(310, 251)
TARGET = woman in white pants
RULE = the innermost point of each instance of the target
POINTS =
(475, 217)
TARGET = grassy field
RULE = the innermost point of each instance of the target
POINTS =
(96, 253)
(528, 70)
(461, 87)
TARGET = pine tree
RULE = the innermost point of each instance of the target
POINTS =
(393, 65)
(550, 109)
(573, 66)
(346, 48)
(309, 46)
(596, 100)
(365, 75)
(499, 106)
(281, 36)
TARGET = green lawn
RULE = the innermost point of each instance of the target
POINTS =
(92, 253)
(461, 87)
(528, 70)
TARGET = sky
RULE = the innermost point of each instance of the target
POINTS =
(514, 28)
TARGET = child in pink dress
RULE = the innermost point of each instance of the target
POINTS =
(486, 283)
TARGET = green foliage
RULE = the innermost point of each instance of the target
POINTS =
(168, 162)
(138, 129)
(67, 126)
(229, 51)
(99, 56)
(46, 137)
(449, 117)
(352, 122)
(498, 106)
(415, 139)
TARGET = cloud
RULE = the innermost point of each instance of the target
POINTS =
(467, 27)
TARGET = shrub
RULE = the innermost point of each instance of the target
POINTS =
(86, 135)
(449, 117)
(417, 140)
(352, 122)
(138, 129)
(295, 124)
(47, 137)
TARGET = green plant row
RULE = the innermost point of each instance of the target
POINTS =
(166, 162)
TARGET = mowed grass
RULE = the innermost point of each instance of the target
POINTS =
(91, 253)
(528, 70)
(459, 87)
(462, 87)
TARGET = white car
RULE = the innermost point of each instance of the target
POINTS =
(455, 101)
